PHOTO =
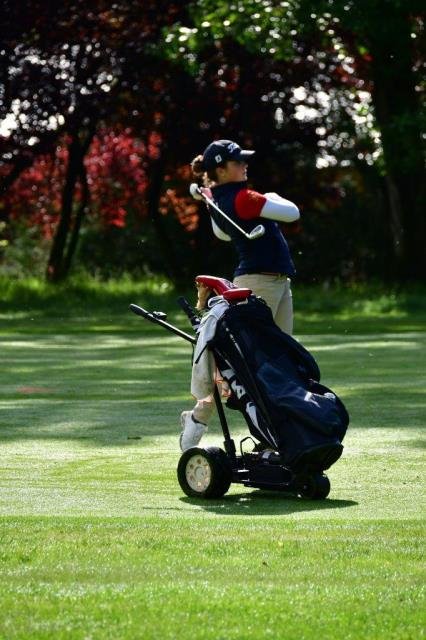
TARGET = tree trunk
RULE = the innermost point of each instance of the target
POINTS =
(80, 215)
(156, 178)
(8, 180)
(203, 243)
(58, 264)
(55, 263)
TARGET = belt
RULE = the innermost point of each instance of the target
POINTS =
(269, 273)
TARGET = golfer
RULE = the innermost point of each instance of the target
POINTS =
(265, 265)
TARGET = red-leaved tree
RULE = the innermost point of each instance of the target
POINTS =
(114, 181)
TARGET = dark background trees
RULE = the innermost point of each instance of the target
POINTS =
(110, 102)
(71, 69)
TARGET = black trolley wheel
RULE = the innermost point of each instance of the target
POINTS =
(204, 473)
(314, 486)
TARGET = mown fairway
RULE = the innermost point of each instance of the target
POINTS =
(97, 540)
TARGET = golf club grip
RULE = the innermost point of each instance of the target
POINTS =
(139, 311)
(189, 311)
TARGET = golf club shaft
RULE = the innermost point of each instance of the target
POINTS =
(189, 311)
(222, 213)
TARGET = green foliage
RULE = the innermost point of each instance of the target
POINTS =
(110, 252)
(81, 295)
(263, 28)
(23, 252)
(344, 232)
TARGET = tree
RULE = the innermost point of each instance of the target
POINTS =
(113, 169)
(383, 31)
(365, 48)
(301, 81)
(72, 79)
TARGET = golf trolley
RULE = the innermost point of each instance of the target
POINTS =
(292, 464)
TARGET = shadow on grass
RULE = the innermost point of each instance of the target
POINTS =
(257, 503)
(115, 390)
(414, 444)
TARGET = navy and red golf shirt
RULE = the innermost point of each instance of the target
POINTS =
(269, 253)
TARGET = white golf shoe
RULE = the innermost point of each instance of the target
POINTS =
(192, 431)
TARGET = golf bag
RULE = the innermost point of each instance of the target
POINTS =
(275, 384)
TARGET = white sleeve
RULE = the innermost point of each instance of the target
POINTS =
(279, 209)
(218, 232)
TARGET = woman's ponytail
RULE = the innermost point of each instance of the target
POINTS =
(197, 167)
(203, 177)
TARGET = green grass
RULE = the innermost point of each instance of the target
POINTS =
(97, 540)
(85, 303)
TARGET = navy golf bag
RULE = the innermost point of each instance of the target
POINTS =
(275, 384)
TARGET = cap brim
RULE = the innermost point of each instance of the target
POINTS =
(245, 154)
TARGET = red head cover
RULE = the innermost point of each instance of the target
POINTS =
(223, 287)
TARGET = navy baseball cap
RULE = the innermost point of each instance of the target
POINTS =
(221, 151)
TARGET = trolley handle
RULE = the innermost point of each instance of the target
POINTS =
(156, 318)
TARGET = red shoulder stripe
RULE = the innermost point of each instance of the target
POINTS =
(249, 204)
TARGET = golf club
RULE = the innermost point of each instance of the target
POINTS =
(196, 193)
